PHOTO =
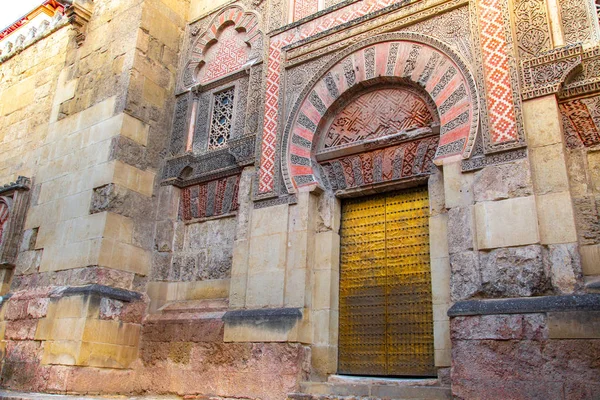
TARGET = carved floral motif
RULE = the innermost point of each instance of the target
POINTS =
(531, 23)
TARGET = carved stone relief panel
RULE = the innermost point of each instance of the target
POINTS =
(210, 199)
(451, 27)
(403, 161)
(531, 26)
(377, 114)
(296, 79)
(227, 55)
(576, 20)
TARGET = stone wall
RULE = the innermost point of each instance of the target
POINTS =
(544, 355)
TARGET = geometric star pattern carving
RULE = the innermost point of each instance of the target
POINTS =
(376, 114)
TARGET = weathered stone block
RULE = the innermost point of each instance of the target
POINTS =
(514, 272)
(163, 240)
(498, 182)
(586, 219)
(460, 230)
(565, 266)
(494, 327)
(465, 280)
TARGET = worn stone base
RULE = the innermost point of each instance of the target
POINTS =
(181, 352)
(553, 353)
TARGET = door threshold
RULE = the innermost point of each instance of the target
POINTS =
(381, 380)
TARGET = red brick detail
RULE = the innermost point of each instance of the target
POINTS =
(577, 115)
(227, 55)
(4, 214)
(224, 47)
(210, 199)
(376, 114)
(495, 51)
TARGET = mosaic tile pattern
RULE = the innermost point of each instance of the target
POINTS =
(210, 199)
(495, 52)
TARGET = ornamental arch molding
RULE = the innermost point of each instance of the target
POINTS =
(404, 58)
(232, 41)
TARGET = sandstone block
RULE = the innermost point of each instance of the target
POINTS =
(556, 219)
(457, 186)
(440, 281)
(590, 259)
(542, 121)
(574, 325)
(511, 222)
(514, 272)
(269, 220)
(549, 170)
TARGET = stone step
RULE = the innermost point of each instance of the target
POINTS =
(342, 387)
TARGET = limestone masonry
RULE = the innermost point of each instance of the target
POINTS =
(301, 199)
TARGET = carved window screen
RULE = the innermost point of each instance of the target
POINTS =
(221, 120)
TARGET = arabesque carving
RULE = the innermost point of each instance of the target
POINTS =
(531, 24)
(576, 24)
(546, 74)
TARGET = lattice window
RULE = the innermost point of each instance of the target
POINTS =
(221, 121)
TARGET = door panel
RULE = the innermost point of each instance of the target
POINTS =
(386, 321)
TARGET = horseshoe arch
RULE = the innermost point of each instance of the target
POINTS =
(414, 58)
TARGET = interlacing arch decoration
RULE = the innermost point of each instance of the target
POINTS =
(228, 41)
(412, 58)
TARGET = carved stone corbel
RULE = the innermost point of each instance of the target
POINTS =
(547, 73)
(79, 14)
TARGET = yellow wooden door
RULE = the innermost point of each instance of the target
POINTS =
(386, 317)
